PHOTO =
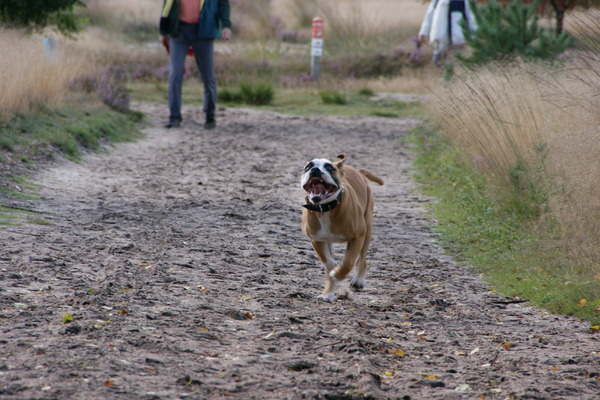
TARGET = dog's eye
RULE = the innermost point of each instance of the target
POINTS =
(329, 167)
(309, 166)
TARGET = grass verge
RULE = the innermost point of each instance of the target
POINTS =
(483, 230)
(69, 130)
(16, 216)
(27, 141)
(304, 102)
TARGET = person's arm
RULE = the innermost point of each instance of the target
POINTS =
(224, 17)
(426, 25)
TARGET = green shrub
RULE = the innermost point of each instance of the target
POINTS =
(332, 97)
(509, 32)
(256, 94)
(229, 96)
(384, 114)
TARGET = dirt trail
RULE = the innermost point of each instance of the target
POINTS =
(181, 261)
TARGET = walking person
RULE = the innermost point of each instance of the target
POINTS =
(442, 24)
(193, 25)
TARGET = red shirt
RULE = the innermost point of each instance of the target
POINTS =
(189, 11)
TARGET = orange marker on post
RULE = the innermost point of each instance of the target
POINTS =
(316, 48)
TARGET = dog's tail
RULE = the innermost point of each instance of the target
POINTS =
(371, 176)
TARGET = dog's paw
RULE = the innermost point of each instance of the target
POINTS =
(330, 298)
(357, 283)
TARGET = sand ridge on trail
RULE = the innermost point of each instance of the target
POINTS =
(181, 262)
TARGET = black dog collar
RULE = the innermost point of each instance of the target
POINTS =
(327, 206)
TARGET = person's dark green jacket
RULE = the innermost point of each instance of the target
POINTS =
(213, 17)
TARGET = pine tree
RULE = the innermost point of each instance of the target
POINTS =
(507, 32)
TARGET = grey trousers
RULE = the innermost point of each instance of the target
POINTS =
(204, 54)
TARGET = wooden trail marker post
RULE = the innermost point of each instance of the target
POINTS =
(316, 50)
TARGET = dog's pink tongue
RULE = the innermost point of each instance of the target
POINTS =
(319, 188)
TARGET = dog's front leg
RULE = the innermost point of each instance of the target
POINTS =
(323, 250)
(352, 252)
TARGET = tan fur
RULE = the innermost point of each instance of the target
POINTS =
(349, 222)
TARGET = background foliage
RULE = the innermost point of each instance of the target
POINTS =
(37, 14)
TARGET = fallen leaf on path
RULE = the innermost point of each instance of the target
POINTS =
(397, 352)
(109, 383)
(67, 318)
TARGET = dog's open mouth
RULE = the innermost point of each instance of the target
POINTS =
(318, 190)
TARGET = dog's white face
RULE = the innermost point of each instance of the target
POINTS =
(321, 180)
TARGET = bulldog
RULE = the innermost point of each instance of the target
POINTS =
(338, 209)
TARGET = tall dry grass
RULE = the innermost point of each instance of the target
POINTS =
(353, 27)
(119, 13)
(29, 78)
(385, 14)
(543, 123)
(497, 115)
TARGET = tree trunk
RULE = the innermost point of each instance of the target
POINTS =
(560, 16)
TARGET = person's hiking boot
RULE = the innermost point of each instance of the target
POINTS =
(173, 124)
(210, 123)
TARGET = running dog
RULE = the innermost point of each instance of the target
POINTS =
(338, 209)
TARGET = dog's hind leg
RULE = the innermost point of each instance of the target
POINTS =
(323, 250)
(358, 280)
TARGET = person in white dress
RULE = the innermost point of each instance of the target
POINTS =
(441, 25)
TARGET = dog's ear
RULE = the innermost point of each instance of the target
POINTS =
(340, 163)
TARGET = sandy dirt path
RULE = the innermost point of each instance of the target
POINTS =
(181, 261)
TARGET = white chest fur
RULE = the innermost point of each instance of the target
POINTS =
(325, 234)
